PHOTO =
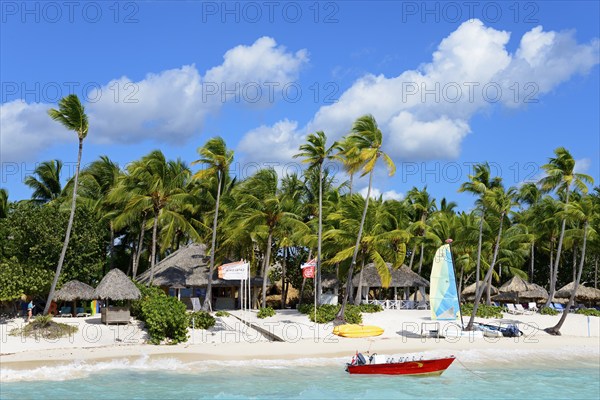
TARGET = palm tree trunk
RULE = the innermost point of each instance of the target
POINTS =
(551, 266)
(319, 288)
(351, 179)
(138, 250)
(555, 330)
(488, 277)
(478, 267)
(358, 297)
(283, 271)
(111, 248)
(302, 291)
(532, 262)
(574, 261)
(557, 261)
(207, 306)
(266, 269)
(153, 256)
(340, 315)
(412, 256)
(63, 252)
(421, 256)
(596, 274)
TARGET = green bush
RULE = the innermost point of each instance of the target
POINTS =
(202, 320)
(548, 311)
(265, 312)
(589, 312)
(305, 308)
(327, 312)
(165, 318)
(43, 326)
(146, 292)
(483, 311)
(370, 308)
(222, 314)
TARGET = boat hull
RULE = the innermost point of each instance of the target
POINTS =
(357, 331)
(421, 368)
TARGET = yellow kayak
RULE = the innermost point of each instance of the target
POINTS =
(357, 331)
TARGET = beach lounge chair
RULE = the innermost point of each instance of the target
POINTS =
(519, 307)
(65, 312)
(80, 312)
(533, 306)
(511, 309)
(558, 307)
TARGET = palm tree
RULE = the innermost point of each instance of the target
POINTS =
(315, 152)
(562, 178)
(479, 183)
(3, 203)
(349, 155)
(530, 194)
(423, 205)
(46, 187)
(584, 211)
(71, 114)
(218, 158)
(501, 202)
(367, 139)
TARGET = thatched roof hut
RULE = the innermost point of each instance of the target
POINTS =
(470, 290)
(116, 286)
(75, 290)
(584, 293)
(401, 277)
(188, 267)
(516, 288)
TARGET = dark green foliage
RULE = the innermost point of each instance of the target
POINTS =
(589, 312)
(327, 312)
(17, 279)
(483, 311)
(548, 311)
(31, 238)
(146, 292)
(305, 308)
(222, 314)
(370, 308)
(201, 320)
(165, 318)
(265, 312)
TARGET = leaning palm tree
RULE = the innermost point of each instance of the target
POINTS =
(46, 181)
(71, 114)
(367, 139)
(501, 202)
(315, 152)
(479, 183)
(350, 159)
(562, 178)
(584, 211)
(218, 158)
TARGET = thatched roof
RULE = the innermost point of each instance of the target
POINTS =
(516, 288)
(329, 281)
(401, 277)
(583, 292)
(187, 267)
(116, 286)
(470, 290)
(74, 290)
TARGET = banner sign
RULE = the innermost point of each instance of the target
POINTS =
(308, 269)
(235, 271)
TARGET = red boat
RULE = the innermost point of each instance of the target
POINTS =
(401, 366)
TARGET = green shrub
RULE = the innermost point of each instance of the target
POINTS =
(43, 326)
(327, 312)
(146, 292)
(222, 314)
(202, 320)
(165, 318)
(306, 308)
(370, 308)
(589, 312)
(548, 311)
(483, 311)
(265, 312)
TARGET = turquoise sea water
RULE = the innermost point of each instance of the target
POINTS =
(572, 380)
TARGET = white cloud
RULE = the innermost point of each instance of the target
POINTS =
(582, 165)
(169, 106)
(276, 144)
(425, 113)
(376, 193)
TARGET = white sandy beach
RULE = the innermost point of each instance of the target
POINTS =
(232, 340)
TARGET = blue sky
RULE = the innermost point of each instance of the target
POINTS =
(451, 84)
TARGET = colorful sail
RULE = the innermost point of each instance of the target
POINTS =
(443, 297)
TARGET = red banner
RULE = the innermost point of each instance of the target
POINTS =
(308, 272)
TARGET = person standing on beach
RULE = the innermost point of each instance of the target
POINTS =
(29, 310)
